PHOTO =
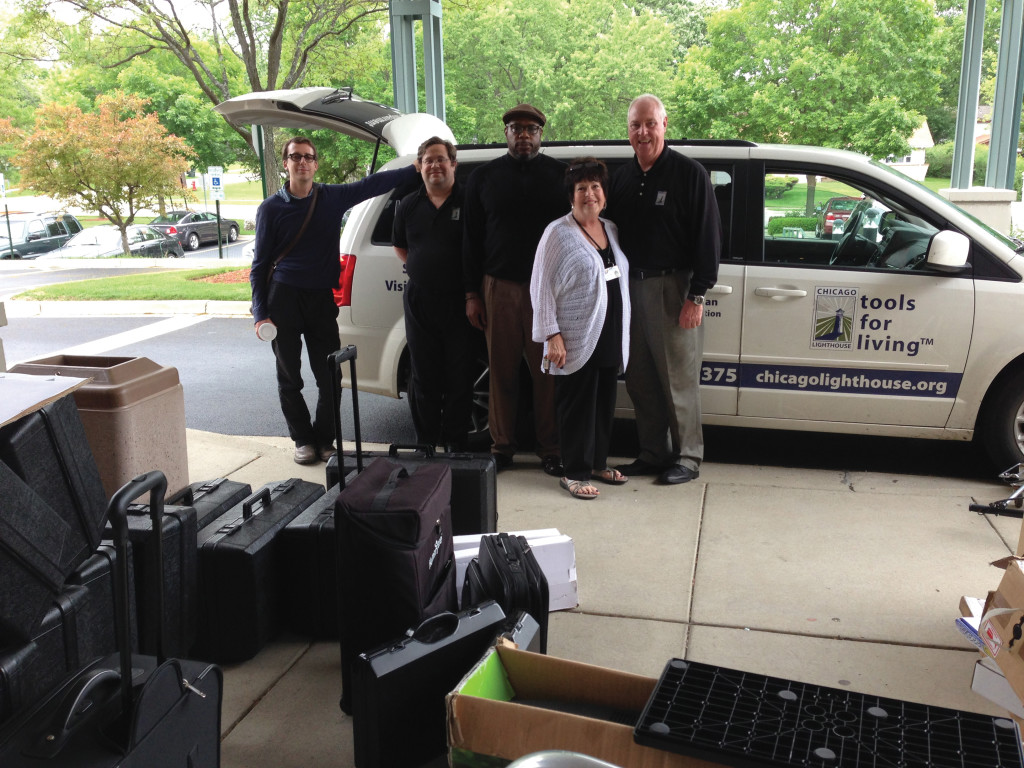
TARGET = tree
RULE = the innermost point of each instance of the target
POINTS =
(834, 73)
(228, 47)
(580, 62)
(116, 161)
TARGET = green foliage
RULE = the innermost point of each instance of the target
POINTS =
(165, 286)
(776, 186)
(783, 71)
(777, 223)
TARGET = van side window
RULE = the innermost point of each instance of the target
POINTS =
(382, 230)
(813, 220)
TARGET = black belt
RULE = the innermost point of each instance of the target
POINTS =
(643, 274)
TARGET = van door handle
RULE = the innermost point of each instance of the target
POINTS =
(779, 293)
(724, 289)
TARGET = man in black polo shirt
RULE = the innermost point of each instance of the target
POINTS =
(509, 202)
(670, 231)
(428, 238)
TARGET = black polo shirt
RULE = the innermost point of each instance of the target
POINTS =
(668, 217)
(433, 238)
(509, 202)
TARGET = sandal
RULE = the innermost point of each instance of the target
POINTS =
(577, 489)
(610, 476)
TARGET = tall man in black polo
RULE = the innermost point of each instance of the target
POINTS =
(670, 230)
(509, 202)
(428, 238)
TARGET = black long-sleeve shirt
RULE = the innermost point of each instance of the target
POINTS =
(508, 204)
(668, 217)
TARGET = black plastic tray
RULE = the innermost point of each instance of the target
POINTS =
(749, 721)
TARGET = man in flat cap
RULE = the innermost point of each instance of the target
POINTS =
(509, 202)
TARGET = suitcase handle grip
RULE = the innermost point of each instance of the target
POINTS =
(436, 628)
(263, 494)
(117, 510)
(428, 450)
(71, 715)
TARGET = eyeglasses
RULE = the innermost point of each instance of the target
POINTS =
(297, 158)
(530, 129)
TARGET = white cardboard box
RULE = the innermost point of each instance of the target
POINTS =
(556, 556)
(990, 682)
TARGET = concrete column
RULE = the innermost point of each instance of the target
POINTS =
(404, 14)
(992, 206)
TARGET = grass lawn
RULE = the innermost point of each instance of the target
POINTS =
(226, 284)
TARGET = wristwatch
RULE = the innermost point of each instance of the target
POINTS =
(698, 300)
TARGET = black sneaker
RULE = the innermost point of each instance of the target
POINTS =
(677, 473)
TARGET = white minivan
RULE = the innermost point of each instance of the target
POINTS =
(905, 325)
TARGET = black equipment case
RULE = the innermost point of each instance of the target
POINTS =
(241, 593)
(33, 557)
(48, 449)
(399, 711)
(396, 558)
(123, 710)
(309, 550)
(211, 498)
(180, 574)
(506, 570)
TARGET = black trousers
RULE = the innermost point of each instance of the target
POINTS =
(585, 404)
(312, 315)
(441, 345)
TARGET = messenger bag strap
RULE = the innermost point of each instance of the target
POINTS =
(302, 231)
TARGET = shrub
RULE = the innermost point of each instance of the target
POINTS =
(776, 186)
(776, 224)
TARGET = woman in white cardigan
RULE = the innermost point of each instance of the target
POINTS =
(580, 296)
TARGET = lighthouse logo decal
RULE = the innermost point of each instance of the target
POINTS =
(833, 317)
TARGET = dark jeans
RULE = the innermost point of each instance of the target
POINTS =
(585, 402)
(299, 313)
(441, 345)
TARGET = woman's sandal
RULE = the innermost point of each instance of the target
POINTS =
(610, 476)
(576, 489)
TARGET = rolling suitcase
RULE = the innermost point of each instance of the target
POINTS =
(240, 571)
(33, 557)
(309, 550)
(506, 570)
(49, 451)
(396, 559)
(352, 463)
(180, 574)
(211, 498)
(123, 710)
(399, 710)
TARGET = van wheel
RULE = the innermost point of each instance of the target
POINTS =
(1001, 428)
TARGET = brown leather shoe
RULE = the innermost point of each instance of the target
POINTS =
(306, 454)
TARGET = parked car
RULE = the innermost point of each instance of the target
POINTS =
(105, 242)
(33, 233)
(909, 325)
(192, 228)
(831, 215)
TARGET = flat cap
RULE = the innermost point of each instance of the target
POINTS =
(524, 112)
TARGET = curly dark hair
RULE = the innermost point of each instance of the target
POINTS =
(585, 169)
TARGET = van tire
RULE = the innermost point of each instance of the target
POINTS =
(1001, 426)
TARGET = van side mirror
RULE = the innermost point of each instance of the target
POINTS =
(948, 251)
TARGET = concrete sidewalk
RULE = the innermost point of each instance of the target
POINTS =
(826, 577)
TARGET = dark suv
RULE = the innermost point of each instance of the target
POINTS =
(33, 233)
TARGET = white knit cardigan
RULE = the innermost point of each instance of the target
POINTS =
(567, 289)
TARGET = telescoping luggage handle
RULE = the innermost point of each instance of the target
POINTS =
(156, 484)
(336, 359)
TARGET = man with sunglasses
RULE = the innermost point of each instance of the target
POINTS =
(294, 271)
(509, 202)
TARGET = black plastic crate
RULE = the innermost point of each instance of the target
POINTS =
(750, 721)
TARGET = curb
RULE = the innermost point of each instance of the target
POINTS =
(125, 308)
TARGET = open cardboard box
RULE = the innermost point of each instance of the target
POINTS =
(1002, 625)
(489, 726)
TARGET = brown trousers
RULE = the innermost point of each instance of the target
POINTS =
(509, 335)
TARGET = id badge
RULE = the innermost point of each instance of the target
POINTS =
(612, 273)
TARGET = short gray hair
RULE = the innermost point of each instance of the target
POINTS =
(658, 103)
